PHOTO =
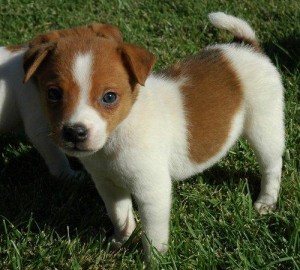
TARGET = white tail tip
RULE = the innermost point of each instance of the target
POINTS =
(239, 28)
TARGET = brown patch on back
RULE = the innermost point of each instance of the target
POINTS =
(211, 95)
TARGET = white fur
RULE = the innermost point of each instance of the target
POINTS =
(236, 26)
(20, 106)
(150, 146)
(264, 122)
(84, 113)
(82, 72)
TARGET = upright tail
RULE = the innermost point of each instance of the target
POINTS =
(240, 29)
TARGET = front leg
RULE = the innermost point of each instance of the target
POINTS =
(154, 203)
(37, 129)
(55, 160)
(118, 204)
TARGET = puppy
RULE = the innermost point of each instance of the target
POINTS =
(135, 132)
(20, 103)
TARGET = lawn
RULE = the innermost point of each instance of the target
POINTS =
(53, 224)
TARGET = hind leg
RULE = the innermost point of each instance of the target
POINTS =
(270, 185)
(265, 133)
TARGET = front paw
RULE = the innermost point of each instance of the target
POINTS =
(117, 242)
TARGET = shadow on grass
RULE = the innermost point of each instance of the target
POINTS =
(27, 190)
(286, 52)
(218, 176)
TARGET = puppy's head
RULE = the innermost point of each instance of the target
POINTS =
(88, 84)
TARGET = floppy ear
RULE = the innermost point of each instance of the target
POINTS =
(45, 38)
(33, 58)
(139, 61)
(106, 30)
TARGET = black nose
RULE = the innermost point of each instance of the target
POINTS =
(75, 133)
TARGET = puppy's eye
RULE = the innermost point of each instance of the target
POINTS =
(109, 98)
(54, 94)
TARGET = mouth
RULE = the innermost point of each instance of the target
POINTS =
(76, 150)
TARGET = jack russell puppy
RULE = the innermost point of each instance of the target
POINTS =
(20, 103)
(135, 131)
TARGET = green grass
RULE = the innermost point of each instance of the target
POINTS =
(51, 224)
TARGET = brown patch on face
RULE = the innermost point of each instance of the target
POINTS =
(96, 29)
(212, 95)
(49, 58)
(41, 45)
(109, 73)
(15, 48)
(56, 71)
(118, 68)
